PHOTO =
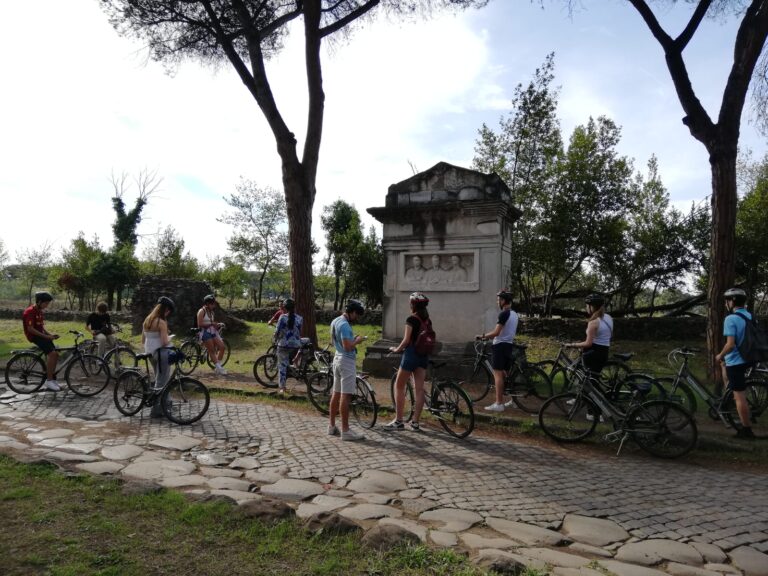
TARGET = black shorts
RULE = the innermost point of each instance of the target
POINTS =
(737, 380)
(44, 344)
(501, 355)
(596, 357)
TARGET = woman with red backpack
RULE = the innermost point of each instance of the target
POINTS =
(414, 361)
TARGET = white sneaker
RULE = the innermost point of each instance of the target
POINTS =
(351, 435)
(496, 407)
(591, 417)
(220, 370)
(52, 385)
(333, 430)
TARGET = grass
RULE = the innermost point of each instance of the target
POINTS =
(84, 525)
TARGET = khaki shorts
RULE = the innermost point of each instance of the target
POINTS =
(344, 372)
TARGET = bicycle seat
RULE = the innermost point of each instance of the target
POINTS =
(194, 330)
(143, 356)
(520, 345)
(624, 356)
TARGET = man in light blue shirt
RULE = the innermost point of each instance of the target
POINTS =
(735, 367)
(344, 369)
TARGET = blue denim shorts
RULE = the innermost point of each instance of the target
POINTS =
(410, 360)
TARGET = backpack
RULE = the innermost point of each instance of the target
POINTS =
(754, 346)
(426, 339)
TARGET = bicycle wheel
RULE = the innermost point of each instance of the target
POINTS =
(568, 417)
(130, 389)
(408, 405)
(757, 396)
(453, 408)
(87, 375)
(119, 359)
(191, 353)
(614, 372)
(683, 395)
(560, 380)
(530, 387)
(265, 370)
(224, 359)
(319, 391)
(478, 383)
(646, 387)
(25, 373)
(663, 428)
(185, 400)
(363, 404)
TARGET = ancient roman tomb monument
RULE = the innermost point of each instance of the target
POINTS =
(447, 233)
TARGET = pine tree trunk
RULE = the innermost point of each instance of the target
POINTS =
(721, 267)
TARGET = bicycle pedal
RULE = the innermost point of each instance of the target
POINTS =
(613, 436)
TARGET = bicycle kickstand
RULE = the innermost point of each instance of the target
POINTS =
(621, 444)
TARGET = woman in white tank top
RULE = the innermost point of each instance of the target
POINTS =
(596, 346)
(155, 338)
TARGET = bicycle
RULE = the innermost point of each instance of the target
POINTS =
(121, 355)
(194, 353)
(445, 400)
(684, 387)
(659, 427)
(528, 385)
(362, 405)
(85, 374)
(184, 400)
(558, 369)
(266, 366)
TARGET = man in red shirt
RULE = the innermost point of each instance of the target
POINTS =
(34, 330)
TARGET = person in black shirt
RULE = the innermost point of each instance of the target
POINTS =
(99, 325)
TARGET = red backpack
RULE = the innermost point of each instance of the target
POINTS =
(426, 339)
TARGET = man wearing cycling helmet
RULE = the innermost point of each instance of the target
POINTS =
(35, 332)
(501, 351)
(344, 369)
(734, 366)
(209, 333)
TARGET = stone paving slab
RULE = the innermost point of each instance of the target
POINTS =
(292, 489)
(594, 531)
(653, 551)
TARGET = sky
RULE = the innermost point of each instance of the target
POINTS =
(80, 103)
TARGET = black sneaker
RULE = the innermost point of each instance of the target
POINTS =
(745, 433)
(415, 426)
(394, 425)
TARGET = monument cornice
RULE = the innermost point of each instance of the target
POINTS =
(417, 212)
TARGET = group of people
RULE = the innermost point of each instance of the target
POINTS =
(156, 340)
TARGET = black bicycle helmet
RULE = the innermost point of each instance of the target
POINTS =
(504, 295)
(595, 300)
(209, 298)
(419, 298)
(43, 297)
(355, 306)
(289, 304)
(167, 302)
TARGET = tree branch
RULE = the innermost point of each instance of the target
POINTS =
(351, 17)
(698, 15)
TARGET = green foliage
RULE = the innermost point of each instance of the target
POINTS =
(32, 267)
(260, 241)
(165, 256)
(228, 278)
(365, 275)
(3, 255)
(74, 274)
(343, 234)
(752, 232)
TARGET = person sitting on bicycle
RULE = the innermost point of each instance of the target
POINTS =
(411, 363)
(595, 348)
(35, 332)
(99, 325)
(502, 350)
(155, 338)
(209, 333)
(276, 316)
(344, 369)
(734, 366)
(288, 339)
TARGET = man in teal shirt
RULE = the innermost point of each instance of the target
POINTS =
(735, 366)
(344, 369)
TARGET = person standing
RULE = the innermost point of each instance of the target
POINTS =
(411, 363)
(597, 344)
(156, 341)
(288, 340)
(34, 330)
(502, 348)
(344, 369)
(209, 333)
(100, 326)
(734, 365)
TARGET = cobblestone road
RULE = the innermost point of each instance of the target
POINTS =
(495, 477)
